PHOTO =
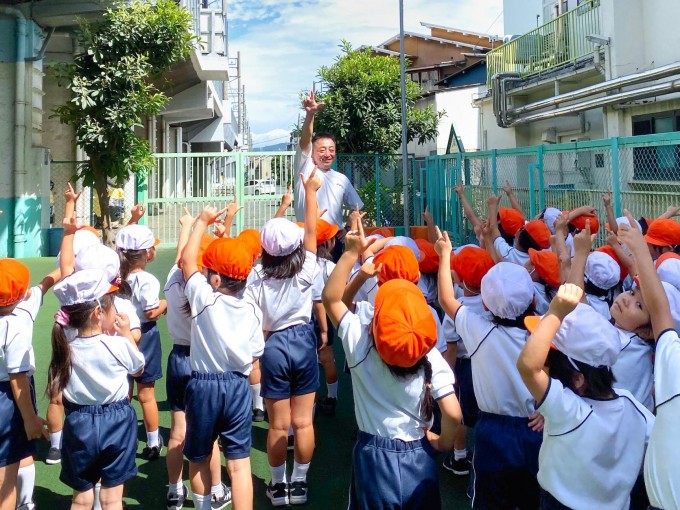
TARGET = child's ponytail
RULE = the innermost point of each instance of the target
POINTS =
(129, 260)
(427, 404)
(59, 371)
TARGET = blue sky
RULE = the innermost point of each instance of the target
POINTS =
(284, 42)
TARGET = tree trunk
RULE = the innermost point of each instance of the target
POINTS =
(102, 189)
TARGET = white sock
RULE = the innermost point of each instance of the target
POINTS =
(97, 504)
(278, 473)
(202, 502)
(55, 439)
(25, 485)
(152, 438)
(176, 488)
(332, 389)
(460, 454)
(217, 490)
(299, 472)
(258, 401)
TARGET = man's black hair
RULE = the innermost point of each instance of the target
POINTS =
(321, 135)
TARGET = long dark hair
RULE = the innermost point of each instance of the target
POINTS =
(599, 380)
(129, 260)
(517, 322)
(427, 403)
(80, 315)
(283, 267)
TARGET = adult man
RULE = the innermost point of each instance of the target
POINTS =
(319, 150)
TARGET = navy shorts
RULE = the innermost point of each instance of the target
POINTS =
(290, 363)
(391, 473)
(549, 502)
(99, 442)
(218, 405)
(178, 376)
(150, 347)
(465, 392)
(317, 332)
(505, 463)
(14, 445)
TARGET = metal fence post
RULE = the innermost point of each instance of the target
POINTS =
(142, 196)
(453, 179)
(616, 180)
(238, 187)
(541, 178)
(532, 190)
(376, 169)
(494, 173)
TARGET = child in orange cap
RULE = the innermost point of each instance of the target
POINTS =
(397, 376)
(20, 425)
(428, 265)
(226, 335)
(662, 236)
(544, 269)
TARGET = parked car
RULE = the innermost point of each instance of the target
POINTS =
(260, 187)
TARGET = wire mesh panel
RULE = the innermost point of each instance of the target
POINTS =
(266, 178)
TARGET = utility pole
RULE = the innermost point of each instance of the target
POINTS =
(404, 138)
(240, 97)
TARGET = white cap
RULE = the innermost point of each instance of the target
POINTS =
(623, 220)
(549, 216)
(83, 238)
(586, 336)
(673, 296)
(507, 290)
(99, 257)
(602, 270)
(669, 271)
(82, 287)
(405, 241)
(135, 237)
(281, 237)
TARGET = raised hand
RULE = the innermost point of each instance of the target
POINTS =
(494, 200)
(186, 220)
(369, 269)
(313, 182)
(355, 218)
(562, 224)
(566, 299)
(287, 197)
(607, 199)
(583, 241)
(459, 189)
(233, 208)
(507, 188)
(356, 242)
(631, 235)
(427, 216)
(137, 212)
(443, 244)
(310, 104)
(211, 214)
(70, 195)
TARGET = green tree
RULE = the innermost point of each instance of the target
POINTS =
(363, 104)
(112, 92)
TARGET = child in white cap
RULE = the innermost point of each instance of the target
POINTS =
(594, 436)
(662, 462)
(136, 246)
(601, 277)
(91, 372)
(507, 437)
(289, 365)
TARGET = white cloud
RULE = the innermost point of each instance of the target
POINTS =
(284, 42)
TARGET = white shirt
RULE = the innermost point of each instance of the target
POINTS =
(634, 370)
(600, 305)
(226, 331)
(16, 337)
(494, 351)
(428, 286)
(336, 191)
(662, 463)
(369, 289)
(542, 301)
(323, 271)
(285, 302)
(126, 307)
(385, 405)
(145, 291)
(510, 253)
(177, 318)
(592, 449)
(473, 304)
(101, 365)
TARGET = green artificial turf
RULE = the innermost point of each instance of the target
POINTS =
(328, 477)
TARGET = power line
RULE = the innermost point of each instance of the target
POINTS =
(286, 137)
(494, 22)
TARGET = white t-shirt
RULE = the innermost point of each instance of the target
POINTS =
(226, 331)
(662, 463)
(323, 271)
(285, 302)
(634, 369)
(126, 307)
(473, 304)
(494, 351)
(101, 365)
(542, 301)
(600, 305)
(369, 289)
(145, 291)
(592, 449)
(510, 253)
(385, 405)
(428, 286)
(336, 191)
(177, 318)
(16, 337)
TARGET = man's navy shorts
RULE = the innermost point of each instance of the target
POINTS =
(218, 405)
(178, 376)
(99, 443)
(150, 347)
(290, 363)
(14, 445)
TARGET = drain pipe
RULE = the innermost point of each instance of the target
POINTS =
(17, 225)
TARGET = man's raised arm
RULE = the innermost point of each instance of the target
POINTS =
(311, 107)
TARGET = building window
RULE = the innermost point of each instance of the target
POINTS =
(565, 6)
(660, 163)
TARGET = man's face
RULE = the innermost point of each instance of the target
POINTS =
(323, 153)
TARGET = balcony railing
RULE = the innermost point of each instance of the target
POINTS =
(209, 24)
(560, 42)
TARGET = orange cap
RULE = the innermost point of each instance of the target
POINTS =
(229, 257)
(511, 220)
(471, 264)
(430, 259)
(205, 242)
(610, 251)
(251, 238)
(383, 231)
(539, 232)
(580, 222)
(403, 325)
(325, 231)
(398, 262)
(663, 232)
(14, 279)
(547, 266)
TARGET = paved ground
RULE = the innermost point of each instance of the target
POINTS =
(328, 476)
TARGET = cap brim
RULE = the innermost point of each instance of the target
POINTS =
(112, 289)
(157, 242)
(531, 322)
(656, 242)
